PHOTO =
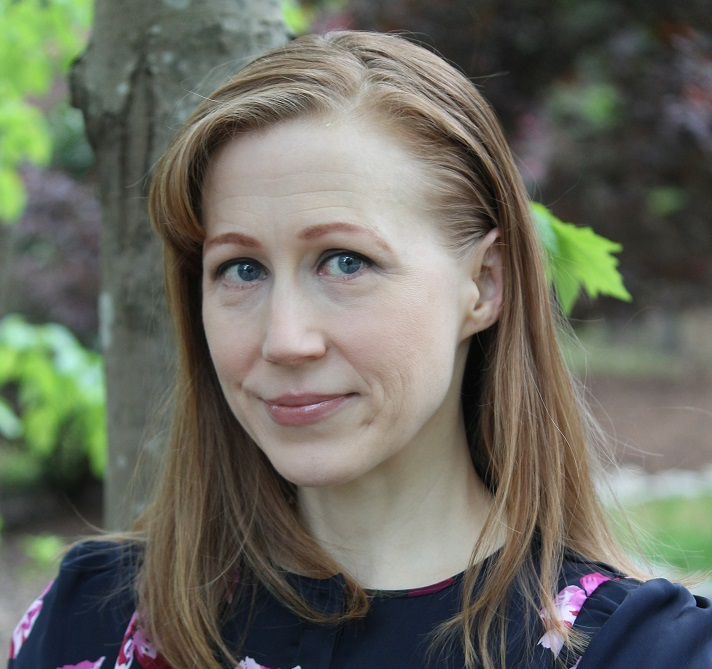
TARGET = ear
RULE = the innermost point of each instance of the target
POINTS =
(484, 298)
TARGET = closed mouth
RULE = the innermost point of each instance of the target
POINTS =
(306, 409)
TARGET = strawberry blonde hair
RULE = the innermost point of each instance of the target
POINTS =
(221, 509)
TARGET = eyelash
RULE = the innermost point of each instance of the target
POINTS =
(331, 255)
(325, 258)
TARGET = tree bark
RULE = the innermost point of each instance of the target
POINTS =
(147, 65)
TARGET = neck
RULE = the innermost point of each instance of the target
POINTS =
(407, 525)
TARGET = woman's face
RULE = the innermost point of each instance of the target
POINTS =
(337, 322)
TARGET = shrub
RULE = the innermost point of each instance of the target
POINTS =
(52, 401)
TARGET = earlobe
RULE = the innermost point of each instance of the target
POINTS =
(487, 276)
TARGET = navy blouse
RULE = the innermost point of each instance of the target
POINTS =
(86, 619)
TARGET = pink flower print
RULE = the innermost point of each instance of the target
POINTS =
(249, 663)
(87, 664)
(27, 622)
(591, 581)
(136, 645)
(143, 646)
(126, 652)
(567, 606)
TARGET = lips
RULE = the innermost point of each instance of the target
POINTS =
(306, 409)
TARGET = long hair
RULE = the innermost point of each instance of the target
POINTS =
(221, 510)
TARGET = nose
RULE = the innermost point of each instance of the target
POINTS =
(293, 334)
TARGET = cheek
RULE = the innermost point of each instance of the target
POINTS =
(229, 347)
(410, 338)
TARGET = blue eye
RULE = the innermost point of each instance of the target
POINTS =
(349, 264)
(242, 271)
(344, 263)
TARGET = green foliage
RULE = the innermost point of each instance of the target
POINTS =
(578, 259)
(297, 16)
(43, 549)
(71, 151)
(666, 200)
(676, 531)
(52, 398)
(20, 470)
(38, 41)
(639, 357)
(595, 106)
(12, 192)
(300, 15)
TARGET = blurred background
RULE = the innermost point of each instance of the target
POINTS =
(608, 107)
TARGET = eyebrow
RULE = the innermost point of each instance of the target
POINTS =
(310, 232)
(232, 238)
(313, 231)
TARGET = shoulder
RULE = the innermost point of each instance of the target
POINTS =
(654, 624)
(99, 565)
(579, 580)
(95, 575)
(83, 613)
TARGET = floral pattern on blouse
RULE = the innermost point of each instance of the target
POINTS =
(27, 622)
(249, 663)
(137, 651)
(567, 606)
(134, 646)
(137, 646)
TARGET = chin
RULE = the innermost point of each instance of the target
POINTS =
(316, 476)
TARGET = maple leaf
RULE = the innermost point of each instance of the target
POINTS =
(578, 259)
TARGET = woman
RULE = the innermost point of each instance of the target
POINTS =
(377, 457)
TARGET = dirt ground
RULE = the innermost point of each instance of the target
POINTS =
(655, 424)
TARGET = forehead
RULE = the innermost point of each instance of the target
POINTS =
(343, 161)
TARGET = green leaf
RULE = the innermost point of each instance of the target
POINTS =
(38, 41)
(8, 363)
(543, 219)
(58, 388)
(41, 428)
(25, 133)
(96, 439)
(43, 549)
(600, 105)
(10, 424)
(297, 17)
(579, 259)
(666, 200)
(12, 195)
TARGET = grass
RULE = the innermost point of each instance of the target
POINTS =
(671, 531)
(650, 345)
(598, 351)
(675, 531)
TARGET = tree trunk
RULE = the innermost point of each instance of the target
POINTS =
(147, 65)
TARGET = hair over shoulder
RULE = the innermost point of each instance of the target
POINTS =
(221, 509)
